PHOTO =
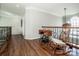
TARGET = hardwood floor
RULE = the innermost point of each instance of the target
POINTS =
(18, 46)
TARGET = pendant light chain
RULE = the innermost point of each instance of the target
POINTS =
(65, 13)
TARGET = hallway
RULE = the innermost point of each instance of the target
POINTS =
(18, 46)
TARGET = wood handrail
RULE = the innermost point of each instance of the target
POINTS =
(56, 27)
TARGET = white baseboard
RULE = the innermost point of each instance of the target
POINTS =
(31, 38)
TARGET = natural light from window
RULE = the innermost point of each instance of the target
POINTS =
(74, 21)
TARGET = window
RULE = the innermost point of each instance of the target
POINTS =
(74, 21)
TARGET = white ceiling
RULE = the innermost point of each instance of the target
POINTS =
(53, 8)
(15, 8)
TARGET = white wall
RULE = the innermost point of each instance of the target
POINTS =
(9, 19)
(34, 19)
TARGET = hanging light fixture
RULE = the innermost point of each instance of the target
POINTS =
(65, 14)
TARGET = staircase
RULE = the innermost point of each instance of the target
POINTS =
(5, 35)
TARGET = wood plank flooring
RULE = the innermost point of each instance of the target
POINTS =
(18, 46)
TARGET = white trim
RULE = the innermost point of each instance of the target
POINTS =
(42, 10)
(31, 38)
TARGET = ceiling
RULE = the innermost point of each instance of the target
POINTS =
(53, 8)
(15, 8)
